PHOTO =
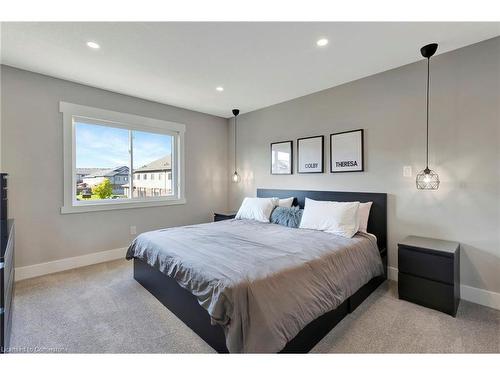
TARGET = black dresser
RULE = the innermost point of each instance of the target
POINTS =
(6, 281)
(429, 273)
(219, 216)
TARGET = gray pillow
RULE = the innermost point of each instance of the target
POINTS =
(287, 216)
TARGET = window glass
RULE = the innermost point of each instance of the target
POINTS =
(152, 155)
(101, 158)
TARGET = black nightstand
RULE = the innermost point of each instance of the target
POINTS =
(429, 273)
(219, 216)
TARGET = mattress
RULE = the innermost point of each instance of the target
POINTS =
(261, 282)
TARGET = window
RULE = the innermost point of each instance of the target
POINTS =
(105, 154)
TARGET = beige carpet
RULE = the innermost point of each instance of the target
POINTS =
(102, 309)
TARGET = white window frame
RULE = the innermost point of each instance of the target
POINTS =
(127, 121)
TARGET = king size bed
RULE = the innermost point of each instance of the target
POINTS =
(246, 286)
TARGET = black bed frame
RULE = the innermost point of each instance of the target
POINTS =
(186, 307)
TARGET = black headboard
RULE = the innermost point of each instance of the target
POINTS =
(377, 222)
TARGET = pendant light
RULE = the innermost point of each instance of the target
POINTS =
(236, 176)
(428, 179)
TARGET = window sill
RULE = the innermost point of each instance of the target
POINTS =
(119, 206)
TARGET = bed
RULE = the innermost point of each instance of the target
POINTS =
(245, 286)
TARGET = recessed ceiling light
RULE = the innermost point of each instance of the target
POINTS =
(93, 45)
(322, 42)
(219, 88)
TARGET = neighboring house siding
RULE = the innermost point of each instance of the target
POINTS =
(153, 179)
(156, 183)
(116, 182)
(117, 177)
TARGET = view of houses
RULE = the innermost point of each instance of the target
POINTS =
(151, 180)
(117, 177)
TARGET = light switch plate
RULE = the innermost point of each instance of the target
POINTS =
(133, 229)
(407, 172)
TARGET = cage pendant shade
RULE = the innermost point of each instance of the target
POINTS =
(236, 177)
(428, 179)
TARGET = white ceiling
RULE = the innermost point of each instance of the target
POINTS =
(258, 64)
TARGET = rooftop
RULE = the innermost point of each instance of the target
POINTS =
(109, 172)
(162, 164)
(87, 171)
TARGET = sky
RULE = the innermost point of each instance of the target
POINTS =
(107, 147)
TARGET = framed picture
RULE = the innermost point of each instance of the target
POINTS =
(310, 154)
(282, 157)
(346, 151)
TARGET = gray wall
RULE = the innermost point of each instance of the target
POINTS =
(32, 154)
(465, 150)
(464, 143)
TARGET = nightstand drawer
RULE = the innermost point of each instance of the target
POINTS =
(427, 293)
(427, 265)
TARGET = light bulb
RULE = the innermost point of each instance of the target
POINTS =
(236, 177)
(93, 45)
(322, 42)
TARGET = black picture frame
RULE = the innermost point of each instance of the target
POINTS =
(291, 158)
(362, 169)
(322, 137)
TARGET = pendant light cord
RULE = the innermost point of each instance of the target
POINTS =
(428, 82)
(235, 129)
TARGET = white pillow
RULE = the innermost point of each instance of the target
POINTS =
(256, 209)
(340, 218)
(287, 202)
(363, 214)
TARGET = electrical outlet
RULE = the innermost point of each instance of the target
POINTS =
(407, 172)
(133, 229)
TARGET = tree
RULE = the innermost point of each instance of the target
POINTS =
(103, 190)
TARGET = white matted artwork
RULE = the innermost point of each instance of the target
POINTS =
(346, 151)
(282, 157)
(310, 154)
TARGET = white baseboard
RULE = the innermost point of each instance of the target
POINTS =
(468, 293)
(392, 273)
(480, 296)
(59, 265)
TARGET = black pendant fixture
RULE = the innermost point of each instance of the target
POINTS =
(428, 179)
(236, 177)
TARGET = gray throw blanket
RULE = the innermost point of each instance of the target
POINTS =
(261, 282)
